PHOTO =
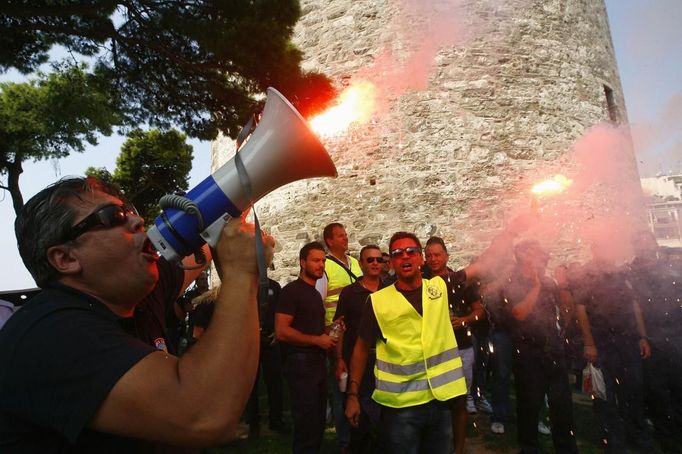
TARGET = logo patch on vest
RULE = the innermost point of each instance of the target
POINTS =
(433, 292)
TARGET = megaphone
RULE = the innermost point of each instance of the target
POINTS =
(281, 149)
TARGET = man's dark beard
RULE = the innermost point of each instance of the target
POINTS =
(309, 275)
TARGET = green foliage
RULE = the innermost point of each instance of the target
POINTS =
(50, 117)
(101, 173)
(151, 164)
(200, 65)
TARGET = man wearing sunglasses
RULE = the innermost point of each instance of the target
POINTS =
(352, 302)
(418, 368)
(75, 376)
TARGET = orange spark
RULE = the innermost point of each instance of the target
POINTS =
(355, 105)
(555, 185)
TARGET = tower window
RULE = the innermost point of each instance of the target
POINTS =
(611, 104)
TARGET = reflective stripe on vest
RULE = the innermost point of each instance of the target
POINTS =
(420, 385)
(337, 279)
(411, 369)
(419, 361)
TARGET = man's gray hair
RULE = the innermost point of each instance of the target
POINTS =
(46, 220)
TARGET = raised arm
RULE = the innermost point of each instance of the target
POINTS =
(499, 254)
(197, 399)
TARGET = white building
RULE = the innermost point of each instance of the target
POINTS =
(664, 210)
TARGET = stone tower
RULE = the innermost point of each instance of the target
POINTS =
(478, 98)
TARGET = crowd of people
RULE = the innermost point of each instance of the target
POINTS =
(394, 346)
(509, 318)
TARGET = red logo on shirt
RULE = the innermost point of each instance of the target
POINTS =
(160, 344)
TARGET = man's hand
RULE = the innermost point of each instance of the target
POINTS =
(644, 349)
(325, 342)
(457, 322)
(590, 353)
(340, 368)
(353, 409)
(236, 248)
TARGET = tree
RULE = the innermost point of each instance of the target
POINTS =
(199, 65)
(49, 118)
(151, 164)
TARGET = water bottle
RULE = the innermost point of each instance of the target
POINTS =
(343, 382)
(335, 331)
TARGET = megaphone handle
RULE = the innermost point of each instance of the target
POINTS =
(246, 131)
(263, 285)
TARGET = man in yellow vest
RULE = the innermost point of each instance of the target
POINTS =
(340, 270)
(418, 368)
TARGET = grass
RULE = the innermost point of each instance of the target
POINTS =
(479, 438)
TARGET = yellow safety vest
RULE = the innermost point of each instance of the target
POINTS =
(419, 361)
(337, 279)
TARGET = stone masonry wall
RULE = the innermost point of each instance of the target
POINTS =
(454, 158)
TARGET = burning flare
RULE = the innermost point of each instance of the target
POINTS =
(555, 185)
(355, 105)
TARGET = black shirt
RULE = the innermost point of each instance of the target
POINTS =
(608, 298)
(352, 301)
(539, 329)
(149, 320)
(304, 303)
(204, 312)
(61, 355)
(658, 288)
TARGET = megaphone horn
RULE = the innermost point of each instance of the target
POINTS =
(281, 149)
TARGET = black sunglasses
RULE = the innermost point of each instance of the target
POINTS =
(372, 259)
(412, 250)
(108, 216)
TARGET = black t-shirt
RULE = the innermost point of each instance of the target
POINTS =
(61, 355)
(149, 321)
(460, 299)
(352, 301)
(303, 302)
(268, 313)
(181, 328)
(539, 329)
(608, 298)
(204, 312)
(658, 288)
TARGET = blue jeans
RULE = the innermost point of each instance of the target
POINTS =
(425, 428)
(338, 408)
(501, 361)
(481, 355)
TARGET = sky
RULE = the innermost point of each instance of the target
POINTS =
(647, 39)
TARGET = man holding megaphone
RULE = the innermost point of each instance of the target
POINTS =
(78, 373)
(72, 379)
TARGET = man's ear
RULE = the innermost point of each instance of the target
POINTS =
(63, 260)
